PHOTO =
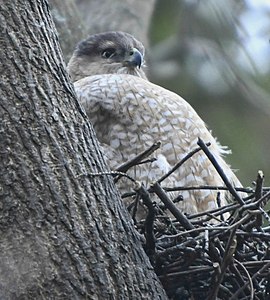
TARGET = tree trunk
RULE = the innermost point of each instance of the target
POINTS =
(64, 235)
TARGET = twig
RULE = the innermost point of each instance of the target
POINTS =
(206, 237)
(180, 163)
(259, 185)
(238, 276)
(255, 263)
(248, 277)
(258, 194)
(206, 187)
(187, 273)
(234, 296)
(190, 188)
(217, 211)
(265, 214)
(147, 161)
(255, 205)
(110, 173)
(172, 208)
(228, 257)
(177, 248)
(138, 158)
(133, 207)
(149, 222)
(220, 171)
(209, 228)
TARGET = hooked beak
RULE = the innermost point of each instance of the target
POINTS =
(134, 58)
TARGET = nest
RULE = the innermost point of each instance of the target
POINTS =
(196, 258)
(228, 260)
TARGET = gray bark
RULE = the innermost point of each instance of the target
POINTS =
(63, 235)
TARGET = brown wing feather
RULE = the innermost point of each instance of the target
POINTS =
(130, 114)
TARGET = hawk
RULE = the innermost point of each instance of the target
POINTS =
(129, 114)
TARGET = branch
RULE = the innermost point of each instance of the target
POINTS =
(149, 222)
(235, 295)
(137, 159)
(181, 218)
(227, 259)
(180, 163)
(220, 171)
(259, 185)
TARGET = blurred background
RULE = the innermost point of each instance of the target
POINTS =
(216, 55)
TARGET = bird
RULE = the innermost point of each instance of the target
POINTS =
(129, 114)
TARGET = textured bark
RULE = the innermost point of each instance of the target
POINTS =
(63, 235)
(94, 16)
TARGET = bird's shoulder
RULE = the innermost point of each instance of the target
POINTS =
(131, 89)
(138, 103)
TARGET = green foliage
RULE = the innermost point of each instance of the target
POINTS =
(203, 51)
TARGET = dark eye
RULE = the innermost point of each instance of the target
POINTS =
(108, 53)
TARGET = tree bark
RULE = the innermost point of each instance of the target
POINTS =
(64, 235)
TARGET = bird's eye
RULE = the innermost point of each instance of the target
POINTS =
(108, 53)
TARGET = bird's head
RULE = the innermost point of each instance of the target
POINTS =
(107, 53)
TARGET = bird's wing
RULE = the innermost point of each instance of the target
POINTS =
(130, 114)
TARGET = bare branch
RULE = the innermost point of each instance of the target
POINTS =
(220, 171)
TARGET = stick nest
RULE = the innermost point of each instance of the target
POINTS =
(207, 256)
